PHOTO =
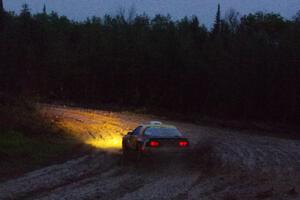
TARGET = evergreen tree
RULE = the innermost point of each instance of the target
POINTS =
(44, 9)
(1, 6)
(217, 25)
(1, 14)
(25, 12)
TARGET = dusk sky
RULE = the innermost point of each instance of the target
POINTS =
(204, 9)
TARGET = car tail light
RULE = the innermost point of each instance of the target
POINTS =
(183, 143)
(153, 143)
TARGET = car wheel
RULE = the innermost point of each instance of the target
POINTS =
(125, 155)
(139, 154)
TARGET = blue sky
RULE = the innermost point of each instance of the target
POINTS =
(204, 9)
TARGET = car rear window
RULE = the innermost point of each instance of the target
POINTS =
(162, 132)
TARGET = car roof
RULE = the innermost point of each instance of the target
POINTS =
(157, 124)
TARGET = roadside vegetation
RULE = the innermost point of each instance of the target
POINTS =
(27, 139)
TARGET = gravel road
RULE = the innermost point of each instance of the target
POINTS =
(224, 164)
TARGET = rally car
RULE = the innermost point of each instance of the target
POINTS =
(153, 139)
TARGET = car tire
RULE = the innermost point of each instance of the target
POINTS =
(139, 154)
(125, 155)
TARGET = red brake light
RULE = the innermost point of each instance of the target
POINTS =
(154, 144)
(183, 143)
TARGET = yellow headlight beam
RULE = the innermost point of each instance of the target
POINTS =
(99, 131)
(108, 143)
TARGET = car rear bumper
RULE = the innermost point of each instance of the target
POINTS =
(165, 151)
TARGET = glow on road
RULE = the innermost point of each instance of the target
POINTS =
(100, 130)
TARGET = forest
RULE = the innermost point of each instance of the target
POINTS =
(245, 67)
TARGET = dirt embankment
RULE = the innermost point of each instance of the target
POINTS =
(224, 164)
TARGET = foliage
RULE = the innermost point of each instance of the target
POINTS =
(27, 139)
(250, 70)
(21, 114)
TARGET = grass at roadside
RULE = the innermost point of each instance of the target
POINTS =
(29, 141)
(20, 153)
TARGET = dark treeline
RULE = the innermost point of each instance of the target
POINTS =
(246, 67)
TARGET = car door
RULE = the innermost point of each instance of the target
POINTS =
(133, 137)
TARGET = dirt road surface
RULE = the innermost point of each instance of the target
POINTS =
(224, 164)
